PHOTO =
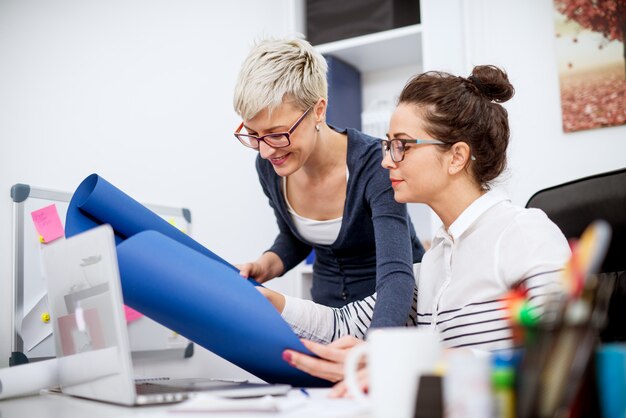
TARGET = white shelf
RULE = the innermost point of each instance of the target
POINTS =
(381, 50)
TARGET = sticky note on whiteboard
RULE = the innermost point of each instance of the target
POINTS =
(48, 223)
(131, 314)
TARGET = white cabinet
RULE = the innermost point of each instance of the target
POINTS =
(386, 61)
(381, 50)
(304, 280)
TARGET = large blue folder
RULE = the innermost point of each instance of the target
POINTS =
(179, 283)
(96, 202)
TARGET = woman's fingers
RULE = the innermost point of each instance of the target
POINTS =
(321, 368)
(340, 390)
(331, 362)
(348, 341)
(253, 270)
(363, 378)
(244, 269)
(327, 352)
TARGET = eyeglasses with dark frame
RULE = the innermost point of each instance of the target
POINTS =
(396, 147)
(274, 140)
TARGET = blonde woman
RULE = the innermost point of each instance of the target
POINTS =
(326, 186)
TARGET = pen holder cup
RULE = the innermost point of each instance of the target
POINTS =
(611, 376)
(556, 374)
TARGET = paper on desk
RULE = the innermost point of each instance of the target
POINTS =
(320, 405)
(30, 378)
(294, 405)
(207, 403)
(35, 329)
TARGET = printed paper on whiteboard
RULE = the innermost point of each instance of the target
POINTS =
(34, 328)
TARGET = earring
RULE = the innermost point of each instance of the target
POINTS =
(317, 128)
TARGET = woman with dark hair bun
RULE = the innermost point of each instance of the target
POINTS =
(467, 109)
(446, 143)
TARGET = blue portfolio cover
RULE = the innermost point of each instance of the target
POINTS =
(179, 283)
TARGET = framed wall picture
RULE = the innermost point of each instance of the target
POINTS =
(591, 62)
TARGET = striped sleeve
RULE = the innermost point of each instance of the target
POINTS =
(544, 290)
(482, 326)
(486, 325)
(324, 324)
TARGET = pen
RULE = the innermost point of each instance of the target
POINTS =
(304, 392)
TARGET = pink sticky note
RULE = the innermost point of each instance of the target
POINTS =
(131, 314)
(48, 223)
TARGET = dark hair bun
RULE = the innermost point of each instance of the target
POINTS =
(492, 82)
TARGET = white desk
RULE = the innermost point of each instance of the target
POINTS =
(60, 406)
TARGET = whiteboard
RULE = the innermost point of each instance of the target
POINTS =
(147, 338)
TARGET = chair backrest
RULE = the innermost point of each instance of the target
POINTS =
(572, 206)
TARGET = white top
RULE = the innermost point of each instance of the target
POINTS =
(492, 247)
(314, 231)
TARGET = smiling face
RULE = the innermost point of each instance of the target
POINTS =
(303, 139)
(422, 175)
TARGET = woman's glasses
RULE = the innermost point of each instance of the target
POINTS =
(396, 147)
(275, 140)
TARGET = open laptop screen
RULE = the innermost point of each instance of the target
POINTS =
(86, 308)
(90, 332)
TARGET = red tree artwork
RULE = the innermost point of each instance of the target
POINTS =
(607, 17)
(593, 92)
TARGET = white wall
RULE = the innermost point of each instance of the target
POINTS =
(139, 91)
(519, 36)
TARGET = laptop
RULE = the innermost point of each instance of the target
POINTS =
(90, 334)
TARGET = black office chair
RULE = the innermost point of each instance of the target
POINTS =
(572, 206)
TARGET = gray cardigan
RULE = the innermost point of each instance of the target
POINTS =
(376, 246)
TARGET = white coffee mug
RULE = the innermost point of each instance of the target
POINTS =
(396, 358)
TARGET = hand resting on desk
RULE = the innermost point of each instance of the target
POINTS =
(330, 364)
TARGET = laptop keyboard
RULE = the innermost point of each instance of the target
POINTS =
(183, 385)
(152, 389)
(178, 389)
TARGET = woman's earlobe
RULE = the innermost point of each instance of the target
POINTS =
(461, 155)
(319, 109)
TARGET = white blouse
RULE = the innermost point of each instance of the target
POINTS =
(314, 231)
(492, 247)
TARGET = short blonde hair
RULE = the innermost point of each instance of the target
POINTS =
(278, 70)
